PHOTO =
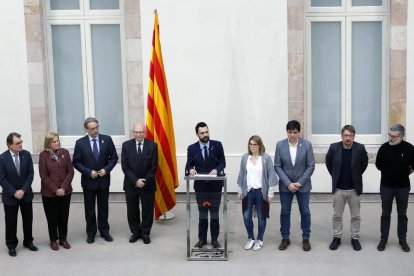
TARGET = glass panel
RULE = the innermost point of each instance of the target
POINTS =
(326, 3)
(64, 4)
(326, 77)
(67, 68)
(104, 4)
(107, 78)
(366, 76)
(366, 2)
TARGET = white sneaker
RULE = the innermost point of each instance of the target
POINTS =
(257, 245)
(249, 244)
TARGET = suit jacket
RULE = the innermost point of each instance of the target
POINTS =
(216, 161)
(134, 168)
(55, 175)
(84, 161)
(359, 164)
(11, 181)
(303, 169)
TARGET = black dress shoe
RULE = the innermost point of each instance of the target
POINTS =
(215, 244)
(31, 247)
(134, 238)
(90, 239)
(404, 246)
(12, 252)
(381, 245)
(284, 244)
(355, 244)
(146, 239)
(200, 243)
(336, 242)
(108, 238)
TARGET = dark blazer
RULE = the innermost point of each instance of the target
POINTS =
(303, 169)
(10, 181)
(84, 161)
(55, 175)
(216, 161)
(133, 169)
(359, 164)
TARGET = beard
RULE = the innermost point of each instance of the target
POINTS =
(205, 139)
(393, 143)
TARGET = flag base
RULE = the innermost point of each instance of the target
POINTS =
(166, 216)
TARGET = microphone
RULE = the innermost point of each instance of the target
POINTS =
(211, 154)
(187, 171)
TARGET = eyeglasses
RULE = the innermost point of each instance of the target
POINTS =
(138, 132)
(348, 135)
(18, 143)
(253, 145)
(393, 136)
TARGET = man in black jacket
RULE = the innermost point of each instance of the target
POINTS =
(395, 160)
(346, 162)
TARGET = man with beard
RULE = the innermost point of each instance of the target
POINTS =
(395, 160)
(206, 157)
(346, 161)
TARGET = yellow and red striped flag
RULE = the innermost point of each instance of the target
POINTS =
(160, 129)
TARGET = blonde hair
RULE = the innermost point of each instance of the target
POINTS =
(49, 139)
(259, 142)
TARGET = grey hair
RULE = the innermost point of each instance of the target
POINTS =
(89, 120)
(399, 128)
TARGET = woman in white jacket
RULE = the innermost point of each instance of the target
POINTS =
(256, 181)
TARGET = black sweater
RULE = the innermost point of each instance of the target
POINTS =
(395, 162)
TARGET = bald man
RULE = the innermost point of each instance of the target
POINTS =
(139, 161)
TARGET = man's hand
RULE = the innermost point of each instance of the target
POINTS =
(60, 192)
(193, 172)
(102, 172)
(94, 174)
(293, 187)
(140, 183)
(19, 194)
(213, 172)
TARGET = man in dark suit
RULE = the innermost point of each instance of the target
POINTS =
(94, 157)
(346, 162)
(139, 161)
(16, 177)
(294, 164)
(206, 157)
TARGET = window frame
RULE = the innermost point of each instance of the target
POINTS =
(85, 22)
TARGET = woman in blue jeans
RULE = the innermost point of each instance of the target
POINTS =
(256, 182)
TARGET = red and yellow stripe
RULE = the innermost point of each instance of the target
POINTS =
(160, 129)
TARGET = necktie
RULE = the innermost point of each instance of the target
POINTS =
(95, 149)
(205, 154)
(139, 149)
(17, 163)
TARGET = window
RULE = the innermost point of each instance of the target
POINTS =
(347, 69)
(85, 45)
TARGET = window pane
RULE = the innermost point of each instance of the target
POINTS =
(366, 2)
(104, 4)
(326, 3)
(64, 4)
(366, 76)
(326, 77)
(68, 81)
(107, 78)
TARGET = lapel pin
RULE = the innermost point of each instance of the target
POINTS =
(102, 141)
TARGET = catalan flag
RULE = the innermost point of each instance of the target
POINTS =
(160, 129)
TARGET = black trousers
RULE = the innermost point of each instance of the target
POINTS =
(133, 199)
(57, 215)
(208, 202)
(10, 215)
(401, 198)
(90, 198)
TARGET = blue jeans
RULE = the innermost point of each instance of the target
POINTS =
(286, 202)
(254, 197)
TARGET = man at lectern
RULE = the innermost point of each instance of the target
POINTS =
(206, 157)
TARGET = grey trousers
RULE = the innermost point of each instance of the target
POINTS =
(340, 198)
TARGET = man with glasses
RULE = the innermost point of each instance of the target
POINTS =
(139, 162)
(346, 161)
(294, 164)
(16, 177)
(395, 160)
(94, 157)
